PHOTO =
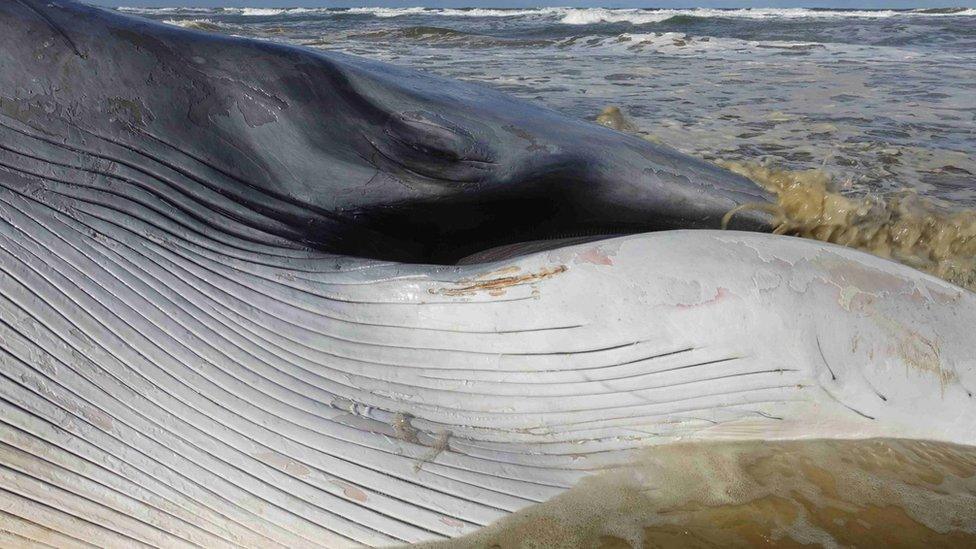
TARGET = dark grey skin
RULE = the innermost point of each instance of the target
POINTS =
(337, 153)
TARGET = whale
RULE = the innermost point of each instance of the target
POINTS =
(259, 295)
(340, 154)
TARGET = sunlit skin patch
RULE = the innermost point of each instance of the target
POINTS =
(864, 493)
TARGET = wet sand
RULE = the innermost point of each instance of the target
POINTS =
(830, 493)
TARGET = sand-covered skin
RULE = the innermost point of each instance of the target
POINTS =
(831, 493)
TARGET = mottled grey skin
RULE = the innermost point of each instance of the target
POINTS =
(338, 153)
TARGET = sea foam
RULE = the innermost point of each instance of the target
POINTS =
(572, 16)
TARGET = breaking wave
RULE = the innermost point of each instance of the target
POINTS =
(575, 16)
(208, 25)
(589, 16)
(451, 12)
(670, 43)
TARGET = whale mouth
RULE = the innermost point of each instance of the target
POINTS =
(465, 232)
(464, 200)
(471, 246)
(486, 228)
(456, 232)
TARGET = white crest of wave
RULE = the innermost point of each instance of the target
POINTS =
(197, 24)
(589, 16)
(682, 44)
(455, 12)
(149, 11)
(572, 16)
(270, 12)
(261, 12)
(388, 12)
(483, 12)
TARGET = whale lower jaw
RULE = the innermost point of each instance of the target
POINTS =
(164, 387)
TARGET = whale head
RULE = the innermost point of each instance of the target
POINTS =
(343, 154)
(462, 167)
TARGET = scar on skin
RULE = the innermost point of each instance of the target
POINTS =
(495, 285)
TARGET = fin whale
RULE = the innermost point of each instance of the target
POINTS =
(230, 313)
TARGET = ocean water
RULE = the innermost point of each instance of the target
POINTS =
(880, 101)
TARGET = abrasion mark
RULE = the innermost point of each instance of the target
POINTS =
(595, 256)
(495, 285)
(720, 294)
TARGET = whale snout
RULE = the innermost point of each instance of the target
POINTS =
(468, 138)
(628, 181)
(699, 196)
(476, 170)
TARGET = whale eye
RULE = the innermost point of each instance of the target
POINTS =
(432, 146)
(438, 140)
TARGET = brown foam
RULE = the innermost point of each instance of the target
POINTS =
(917, 231)
(905, 227)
